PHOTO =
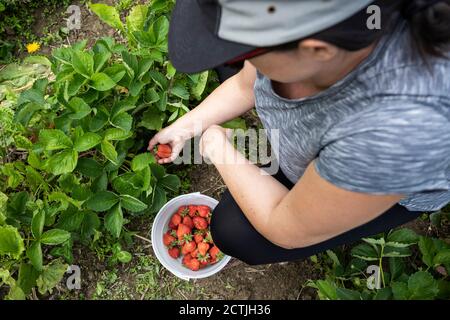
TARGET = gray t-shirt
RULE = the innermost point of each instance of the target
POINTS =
(383, 129)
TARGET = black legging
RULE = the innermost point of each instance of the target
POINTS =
(235, 236)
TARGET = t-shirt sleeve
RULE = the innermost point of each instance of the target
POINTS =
(392, 151)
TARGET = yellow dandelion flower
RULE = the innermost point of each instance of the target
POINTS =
(33, 47)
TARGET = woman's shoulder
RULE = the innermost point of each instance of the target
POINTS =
(399, 69)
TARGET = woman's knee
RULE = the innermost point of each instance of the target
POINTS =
(232, 233)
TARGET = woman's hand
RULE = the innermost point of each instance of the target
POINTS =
(214, 141)
(175, 136)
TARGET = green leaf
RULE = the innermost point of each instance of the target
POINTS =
(63, 162)
(54, 139)
(90, 224)
(179, 90)
(102, 201)
(365, 252)
(131, 63)
(87, 141)
(124, 184)
(89, 167)
(158, 199)
(122, 121)
(27, 277)
(136, 18)
(152, 119)
(37, 224)
(98, 121)
(383, 294)
(3, 201)
(396, 267)
(109, 151)
(142, 161)
(170, 182)
(115, 72)
(100, 183)
(102, 82)
(70, 220)
(26, 112)
(428, 250)
(237, 123)
(199, 87)
(422, 286)
(124, 256)
(374, 242)
(114, 221)
(442, 258)
(161, 30)
(100, 58)
(390, 251)
(79, 108)
(11, 243)
(75, 84)
(83, 63)
(116, 134)
(403, 235)
(107, 14)
(326, 290)
(400, 291)
(347, 294)
(34, 253)
(51, 275)
(54, 237)
(132, 204)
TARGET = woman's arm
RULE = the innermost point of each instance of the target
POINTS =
(313, 211)
(231, 99)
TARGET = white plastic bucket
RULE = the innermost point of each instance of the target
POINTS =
(160, 226)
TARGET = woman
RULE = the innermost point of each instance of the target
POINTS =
(363, 115)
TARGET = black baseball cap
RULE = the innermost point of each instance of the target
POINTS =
(204, 34)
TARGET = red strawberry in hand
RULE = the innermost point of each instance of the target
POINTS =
(174, 252)
(163, 151)
(200, 223)
(203, 211)
(188, 247)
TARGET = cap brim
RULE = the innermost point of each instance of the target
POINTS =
(192, 46)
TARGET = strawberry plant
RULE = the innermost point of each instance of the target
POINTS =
(73, 161)
(410, 267)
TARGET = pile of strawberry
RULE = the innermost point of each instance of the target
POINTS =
(189, 236)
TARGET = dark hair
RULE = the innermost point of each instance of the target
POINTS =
(430, 27)
(429, 24)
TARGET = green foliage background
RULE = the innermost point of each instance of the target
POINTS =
(74, 166)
